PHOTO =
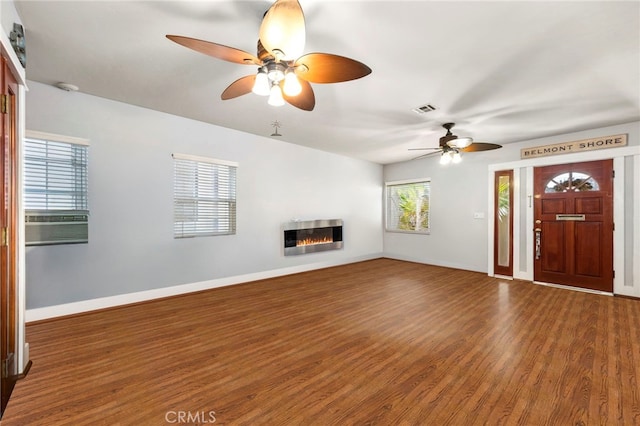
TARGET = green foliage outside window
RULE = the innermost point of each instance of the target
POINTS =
(408, 207)
(503, 199)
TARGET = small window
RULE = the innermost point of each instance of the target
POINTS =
(408, 204)
(204, 196)
(55, 189)
(571, 182)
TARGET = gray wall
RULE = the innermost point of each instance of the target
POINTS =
(457, 192)
(131, 244)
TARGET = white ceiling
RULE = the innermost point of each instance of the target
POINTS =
(503, 71)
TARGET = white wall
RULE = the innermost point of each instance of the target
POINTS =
(131, 246)
(458, 191)
(8, 16)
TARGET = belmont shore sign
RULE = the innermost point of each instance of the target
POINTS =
(576, 146)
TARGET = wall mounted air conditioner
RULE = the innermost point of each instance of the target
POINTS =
(45, 227)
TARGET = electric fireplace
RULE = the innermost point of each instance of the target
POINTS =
(312, 236)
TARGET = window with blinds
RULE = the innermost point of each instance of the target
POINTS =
(204, 196)
(55, 189)
(408, 205)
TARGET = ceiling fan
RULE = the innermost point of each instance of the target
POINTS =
(451, 146)
(284, 74)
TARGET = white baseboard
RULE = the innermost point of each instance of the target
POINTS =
(49, 312)
(434, 262)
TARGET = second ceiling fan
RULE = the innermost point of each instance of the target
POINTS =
(451, 146)
(284, 74)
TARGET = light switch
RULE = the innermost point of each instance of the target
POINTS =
(478, 215)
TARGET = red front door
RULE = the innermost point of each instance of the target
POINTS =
(573, 229)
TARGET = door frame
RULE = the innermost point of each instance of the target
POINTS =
(523, 204)
(8, 245)
(18, 72)
(504, 271)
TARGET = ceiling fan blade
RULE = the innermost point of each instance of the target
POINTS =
(424, 149)
(305, 100)
(282, 31)
(329, 68)
(480, 146)
(240, 87)
(427, 155)
(216, 50)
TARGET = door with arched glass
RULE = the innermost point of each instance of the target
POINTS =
(573, 225)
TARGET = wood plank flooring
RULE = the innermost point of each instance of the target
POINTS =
(381, 342)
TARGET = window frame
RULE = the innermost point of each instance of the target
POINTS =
(204, 207)
(552, 184)
(46, 138)
(406, 183)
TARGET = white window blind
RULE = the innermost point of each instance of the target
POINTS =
(56, 175)
(204, 196)
(408, 205)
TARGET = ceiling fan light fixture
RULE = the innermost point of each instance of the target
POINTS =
(292, 86)
(261, 85)
(456, 158)
(461, 143)
(275, 71)
(446, 158)
(275, 96)
(283, 29)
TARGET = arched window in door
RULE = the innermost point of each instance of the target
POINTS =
(571, 182)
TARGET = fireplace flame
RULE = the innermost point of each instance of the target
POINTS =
(314, 241)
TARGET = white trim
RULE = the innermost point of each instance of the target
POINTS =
(432, 262)
(405, 181)
(491, 212)
(578, 157)
(204, 159)
(618, 220)
(636, 227)
(35, 134)
(528, 273)
(515, 231)
(18, 71)
(21, 343)
(38, 314)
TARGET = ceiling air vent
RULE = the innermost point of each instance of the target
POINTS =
(424, 109)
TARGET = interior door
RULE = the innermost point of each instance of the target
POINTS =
(573, 228)
(8, 252)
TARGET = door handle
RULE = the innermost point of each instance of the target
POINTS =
(538, 232)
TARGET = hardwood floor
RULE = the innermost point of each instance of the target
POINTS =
(381, 342)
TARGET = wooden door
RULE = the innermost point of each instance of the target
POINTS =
(8, 252)
(573, 225)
